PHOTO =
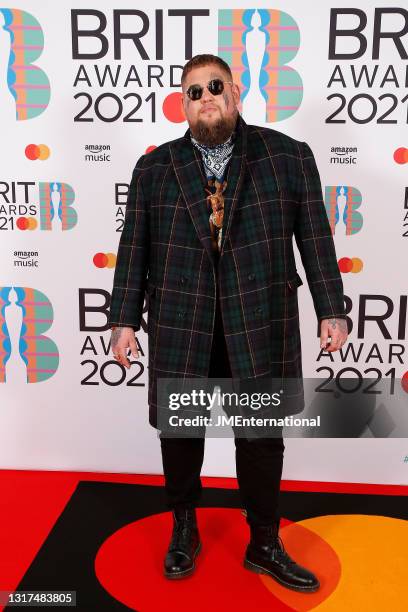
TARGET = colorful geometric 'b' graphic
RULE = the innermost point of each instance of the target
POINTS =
(280, 86)
(39, 352)
(57, 197)
(343, 201)
(28, 84)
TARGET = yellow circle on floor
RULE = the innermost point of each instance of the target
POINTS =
(366, 569)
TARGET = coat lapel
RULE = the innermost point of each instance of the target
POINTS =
(235, 176)
(190, 175)
(192, 180)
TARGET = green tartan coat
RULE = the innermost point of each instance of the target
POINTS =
(165, 251)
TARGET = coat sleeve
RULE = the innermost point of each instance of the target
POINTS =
(315, 243)
(132, 259)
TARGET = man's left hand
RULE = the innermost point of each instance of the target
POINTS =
(338, 332)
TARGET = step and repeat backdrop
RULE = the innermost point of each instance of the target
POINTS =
(85, 89)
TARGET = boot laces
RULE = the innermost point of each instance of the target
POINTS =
(182, 532)
(278, 549)
(280, 553)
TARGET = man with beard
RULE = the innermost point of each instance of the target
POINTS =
(208, 233)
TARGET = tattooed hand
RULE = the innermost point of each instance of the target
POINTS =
(123, 338)
(337, 330)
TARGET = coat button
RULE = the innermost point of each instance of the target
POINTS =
(251, 276)
(258, 312)
(183, 279)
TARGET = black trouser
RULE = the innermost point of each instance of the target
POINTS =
(258, 461)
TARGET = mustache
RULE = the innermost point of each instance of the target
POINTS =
(209, 106)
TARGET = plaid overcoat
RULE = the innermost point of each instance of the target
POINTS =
(165, 250)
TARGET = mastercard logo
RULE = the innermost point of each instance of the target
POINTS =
(173, 108)
(104, 260)
(350, 264)
(401, 155)
(33, 152)
(26, 223)
(340, 549)
(404, 382)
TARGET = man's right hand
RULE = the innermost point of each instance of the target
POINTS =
(123, 338)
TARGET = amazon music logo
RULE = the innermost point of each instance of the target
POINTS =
(97, 153)
(25, 259)
(343, 155)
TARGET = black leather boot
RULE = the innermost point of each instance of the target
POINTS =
(266, 554)
(184, 545)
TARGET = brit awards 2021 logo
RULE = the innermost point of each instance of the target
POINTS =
(25, 208)
(258, 44)
(21, 43)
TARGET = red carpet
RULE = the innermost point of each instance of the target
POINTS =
(39, 509)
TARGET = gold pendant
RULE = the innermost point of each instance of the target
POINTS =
(216, 201)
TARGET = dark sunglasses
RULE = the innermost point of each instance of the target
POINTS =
(215, 87)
